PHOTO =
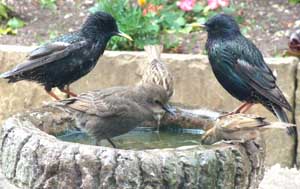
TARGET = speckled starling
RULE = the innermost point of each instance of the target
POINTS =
(156, 71)
(69, 57)
(240, 68)
(110, 112)
(240, 128)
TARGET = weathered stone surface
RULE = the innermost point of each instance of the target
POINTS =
(280, 148)
(297, 113)
(30, 158)
(4, 183)
(195, 85)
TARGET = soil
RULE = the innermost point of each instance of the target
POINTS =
(268, 23)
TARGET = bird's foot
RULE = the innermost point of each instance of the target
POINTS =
(68, 92)
(227, 114)
(243, 108)
(53, 95)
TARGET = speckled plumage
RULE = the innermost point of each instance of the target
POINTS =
(240, 127)
(156, 72)
(240, 68)
(110, 112)
(69, 57)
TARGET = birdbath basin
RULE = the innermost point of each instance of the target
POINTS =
(142, 138)
(31, 157)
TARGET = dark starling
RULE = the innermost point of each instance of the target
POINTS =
(240, 68)
(156, 71)
(107, 113)
(239, 128)
(69, 57)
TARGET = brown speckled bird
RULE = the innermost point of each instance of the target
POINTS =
(156, 71)
(239, 128)
(107, 113)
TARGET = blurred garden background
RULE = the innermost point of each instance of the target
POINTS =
(269, 23)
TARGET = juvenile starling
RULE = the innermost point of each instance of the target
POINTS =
(69, 57)
(156, 71)
(239, 128)
(114, 111)
(240, 68)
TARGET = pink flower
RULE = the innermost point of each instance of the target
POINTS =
(186, 5)
(214, 4)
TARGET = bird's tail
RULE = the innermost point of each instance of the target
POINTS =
(153, 52)
(281, 115)
(278, 125)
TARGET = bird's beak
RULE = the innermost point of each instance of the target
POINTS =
(198, 25)
(169, 109)
(121, 34)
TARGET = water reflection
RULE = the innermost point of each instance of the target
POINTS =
(143, 138)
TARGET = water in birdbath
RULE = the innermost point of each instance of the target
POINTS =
(143, 138)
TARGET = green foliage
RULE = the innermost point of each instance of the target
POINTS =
(294, 1)
(158, 21)
(15, 23)
(48, 4)
(8, 25)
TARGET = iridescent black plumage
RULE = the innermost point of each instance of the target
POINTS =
(69, 57)
(240, 68)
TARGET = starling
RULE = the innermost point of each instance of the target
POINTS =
(69, 57)
(239, 128)
(110, 112)
(240, 68)
(156, 71)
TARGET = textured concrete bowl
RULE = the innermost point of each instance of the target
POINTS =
(31, 158)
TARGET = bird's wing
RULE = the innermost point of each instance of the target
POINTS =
(241, 122)
(96, 103)
(261, 81)
(47, 54)
(255, 73)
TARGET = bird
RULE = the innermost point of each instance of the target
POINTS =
(240, 68)
(240, 128)
(69, 57)
(294, 44)
(110, 112)
(155, 71)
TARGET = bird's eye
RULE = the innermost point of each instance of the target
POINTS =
(157, 102)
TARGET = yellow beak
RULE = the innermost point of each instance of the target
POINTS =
(198, 25)
(121, 34)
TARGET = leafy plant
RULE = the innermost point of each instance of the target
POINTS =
(146, 26)
(8, 25)
(294, 1)
(155, 21)
(48, 4)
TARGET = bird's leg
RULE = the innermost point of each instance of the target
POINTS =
(246, 108)
(67, 91)
(111, 142)
(52, 94)
(240, 108)
(236, 110)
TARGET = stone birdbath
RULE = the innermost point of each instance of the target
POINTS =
(31, 157)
